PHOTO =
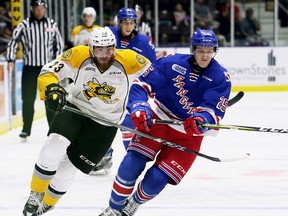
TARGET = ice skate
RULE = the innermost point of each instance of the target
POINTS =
(103, 167)
(33, 203)
(43, 209)
(23, 136)
(130, 207)
(110, 212)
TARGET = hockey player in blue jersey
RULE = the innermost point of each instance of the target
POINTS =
(193, 88)
(127, 38)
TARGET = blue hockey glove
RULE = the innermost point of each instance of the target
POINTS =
(193, 125)
(55, 97)
(141, 116)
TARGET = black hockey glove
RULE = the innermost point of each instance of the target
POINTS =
(55, 97)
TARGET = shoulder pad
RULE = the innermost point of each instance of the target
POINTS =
(76, 55)
(131, 61)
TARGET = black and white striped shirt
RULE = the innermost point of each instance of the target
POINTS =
(41, 41)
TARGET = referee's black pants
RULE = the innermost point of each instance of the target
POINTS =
(29, 90)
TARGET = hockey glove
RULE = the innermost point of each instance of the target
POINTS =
(55, 97)
(193, 125)
(141, 115)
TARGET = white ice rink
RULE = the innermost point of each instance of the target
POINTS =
(252, 187)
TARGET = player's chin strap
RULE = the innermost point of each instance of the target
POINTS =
(220, 126)
(164, 142)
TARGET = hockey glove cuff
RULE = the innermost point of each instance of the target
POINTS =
(55, 97)
(141, 116)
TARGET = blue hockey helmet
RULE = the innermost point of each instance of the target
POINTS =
(126, 14)
(204, 37)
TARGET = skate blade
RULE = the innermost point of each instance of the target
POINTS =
(23, 140)
(102, 172)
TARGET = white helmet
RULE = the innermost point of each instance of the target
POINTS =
(101, 37)
(89, 11)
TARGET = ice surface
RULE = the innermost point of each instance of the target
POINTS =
(251, 187)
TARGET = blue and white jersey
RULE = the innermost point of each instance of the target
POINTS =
(139, 43)
(178, 92)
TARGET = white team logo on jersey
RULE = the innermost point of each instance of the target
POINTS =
(179, 69)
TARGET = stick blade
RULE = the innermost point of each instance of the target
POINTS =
(235, 158)
(235, 99)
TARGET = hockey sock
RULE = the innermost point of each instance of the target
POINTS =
(61, 182)
(52, 196)
(126, 137)
(109, 152)
(153, 183)
(41, 179)
(129, 170)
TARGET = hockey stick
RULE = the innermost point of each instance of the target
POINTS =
(232, 127)
(236, 98)
(164, 142)
(231, 102)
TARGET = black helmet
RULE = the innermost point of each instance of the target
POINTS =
(38, 3)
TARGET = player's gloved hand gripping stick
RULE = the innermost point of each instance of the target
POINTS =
(55, 97)
(141, 116)
(193, 125)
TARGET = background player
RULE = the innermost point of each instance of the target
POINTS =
(80, 33)
(192, 88)
(127, 38)
(99, 81)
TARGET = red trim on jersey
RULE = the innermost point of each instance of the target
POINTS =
(144, 85)
(142, 149)
(170, 172)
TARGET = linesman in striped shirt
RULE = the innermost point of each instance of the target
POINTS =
(42, 42)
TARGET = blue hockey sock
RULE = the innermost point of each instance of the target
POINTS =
(126, 138)
(109, 152)
(129, 170)
(153, 183)
(127, 135)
